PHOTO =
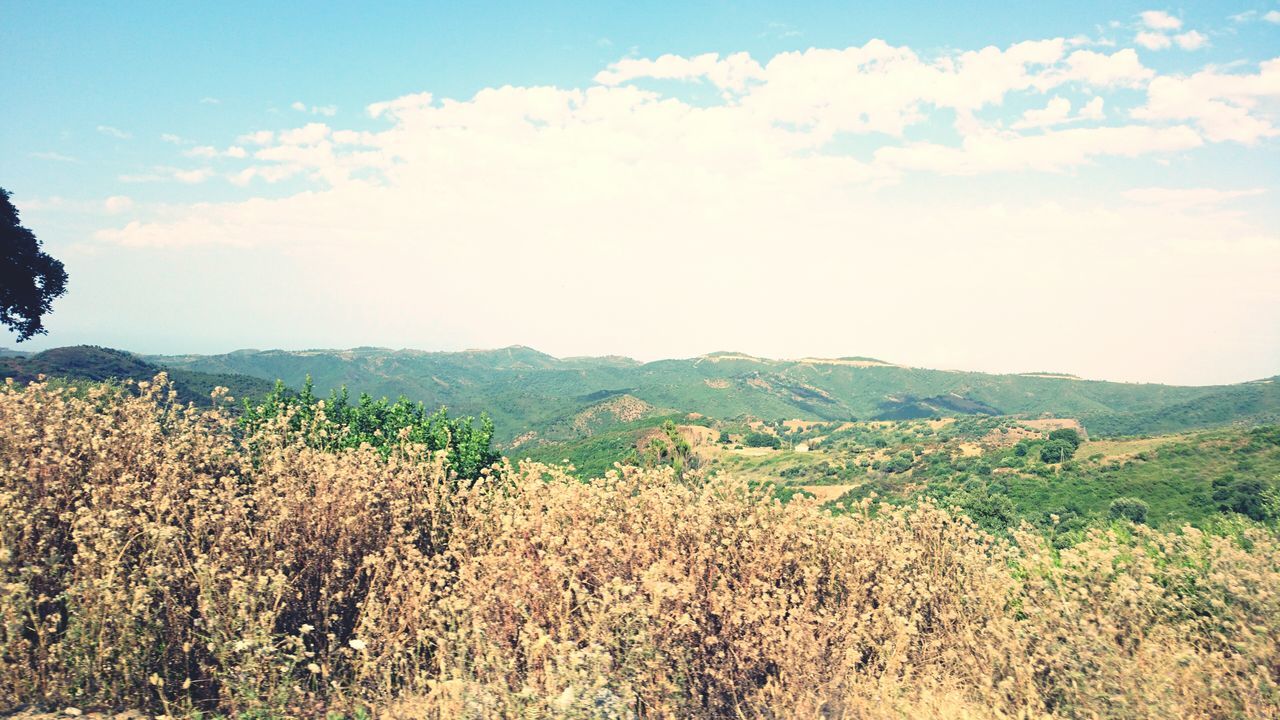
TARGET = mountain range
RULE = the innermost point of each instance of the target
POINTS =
(535, 398)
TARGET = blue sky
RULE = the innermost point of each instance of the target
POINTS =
(914, 182)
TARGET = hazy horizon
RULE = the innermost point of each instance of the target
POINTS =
(1086, 189)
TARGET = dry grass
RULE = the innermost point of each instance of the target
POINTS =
(152, 559)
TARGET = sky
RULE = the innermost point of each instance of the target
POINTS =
(1088, 187)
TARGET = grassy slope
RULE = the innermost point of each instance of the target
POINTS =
(1174, 476)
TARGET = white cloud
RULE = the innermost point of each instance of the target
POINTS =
(186, 176)
(1188, 197)
(573, 202)
(208, 152)
(117, 204)
(114, 132)
(1057, 111)
(325, 110)
(1160, 20)
(731, 73)
(1272, 16)
(210, 101)
(260, 137)
(404, 103)
(1092, 110)
(1224, 105)
(53, 156)
(191, 177)
(1050, 152)
(1191, 40)
(172, 139)
(308, 134)
(1152, 40)
(1118, 69)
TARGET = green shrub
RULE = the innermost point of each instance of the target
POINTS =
(760, 439)
(1066, 435)
(1056, 451)
(1127, 508)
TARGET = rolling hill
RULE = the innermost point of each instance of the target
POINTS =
(88, 362)
(536, 398)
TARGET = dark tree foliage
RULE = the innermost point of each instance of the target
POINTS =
(1246, 495)
(29, 278)
(1066, 435)
(1127, 508)
(338, 424)
(759, 439)
(1056, 451)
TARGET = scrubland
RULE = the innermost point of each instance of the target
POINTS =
(155, 556)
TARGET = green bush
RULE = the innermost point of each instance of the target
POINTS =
(339, 424)
(1247, 496)
(1127, 508)
(1056, 451)
(759, 439)
(1066, 435)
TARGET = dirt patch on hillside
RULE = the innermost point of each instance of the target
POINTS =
(717, 384)
(522, 439)
(826, 493)
(846, 363)
(801, 425)
(998, 439)
(1051, 424)
(623, 408)
(1050, 376)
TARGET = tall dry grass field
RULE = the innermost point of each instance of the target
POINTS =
(153, 558)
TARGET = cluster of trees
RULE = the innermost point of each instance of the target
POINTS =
(762, 439)
(338, 423)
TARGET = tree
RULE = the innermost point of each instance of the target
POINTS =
(1127, 508)
(759, 439)
(1066, 435)
(1056, 451)
(338, 424)
(29, 278)
(1247, 496)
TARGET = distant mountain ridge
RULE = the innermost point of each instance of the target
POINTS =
(533, 395)
(98, 364)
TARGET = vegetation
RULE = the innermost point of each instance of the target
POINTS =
(98, 364)
(1127, 508)
(530, 392)
(339, 424)
(761, 440)
(179, 561)
(30, 279)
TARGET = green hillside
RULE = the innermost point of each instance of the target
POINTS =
(526, 391)
(88, 362)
